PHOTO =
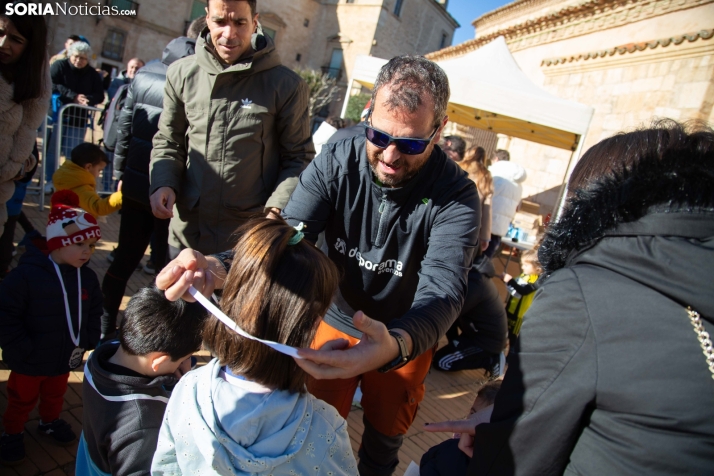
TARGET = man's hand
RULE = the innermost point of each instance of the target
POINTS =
(466, 427)
(162, 202)
(335, 360)
(81, 99)
(484, 244)
(190, 268)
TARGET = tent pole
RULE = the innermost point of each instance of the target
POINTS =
(560, 203)
(347, 98)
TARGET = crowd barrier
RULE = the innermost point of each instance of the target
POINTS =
(61, 134)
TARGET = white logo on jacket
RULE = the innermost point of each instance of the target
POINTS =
(341, 246)
(246, 103)
(391, 266)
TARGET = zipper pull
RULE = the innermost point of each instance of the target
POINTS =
(383, 205)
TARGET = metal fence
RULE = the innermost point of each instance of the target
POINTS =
(74, 125)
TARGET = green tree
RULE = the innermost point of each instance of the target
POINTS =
(356, 105)
(323, 88)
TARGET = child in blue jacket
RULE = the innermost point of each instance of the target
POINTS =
(50, 310)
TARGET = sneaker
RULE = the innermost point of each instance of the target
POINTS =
(498, 369)
(110, 256)
(49, 188)
(149, 268)
(12, 449)
(59, 430)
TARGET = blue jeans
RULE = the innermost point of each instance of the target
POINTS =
(71, 138)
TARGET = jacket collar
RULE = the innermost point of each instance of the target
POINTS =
(264, 55)
(659, 199)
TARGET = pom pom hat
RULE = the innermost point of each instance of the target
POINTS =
(68, 223)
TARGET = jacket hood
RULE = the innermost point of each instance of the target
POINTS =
(652, 223)
(111, 385)
(263, 58)
(178, 48)
(36, 251)
(508, 170)
(259, 431)
(71, 175)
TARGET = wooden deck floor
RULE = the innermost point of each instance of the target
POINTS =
(448, 396)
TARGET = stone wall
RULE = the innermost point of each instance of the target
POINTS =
(632, 61)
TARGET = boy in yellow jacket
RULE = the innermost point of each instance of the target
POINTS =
(80, 175)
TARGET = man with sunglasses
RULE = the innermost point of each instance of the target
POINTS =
(401, 221)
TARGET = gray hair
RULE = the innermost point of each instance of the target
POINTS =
(79, 47)
(410, 78)
(502, 155)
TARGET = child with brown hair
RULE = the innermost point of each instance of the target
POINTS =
(522, 290)
(248, 409)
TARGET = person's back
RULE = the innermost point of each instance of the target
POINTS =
(507, 192)
(248, 410)
(80, 175)
(126, 382)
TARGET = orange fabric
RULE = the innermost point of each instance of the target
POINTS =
(390, 400)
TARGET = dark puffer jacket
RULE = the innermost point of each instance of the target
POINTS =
(34, 335)
(610, 377)
(139, 121)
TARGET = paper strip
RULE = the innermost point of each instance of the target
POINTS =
(210, 307)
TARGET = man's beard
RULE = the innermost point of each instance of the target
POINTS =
(408, 170)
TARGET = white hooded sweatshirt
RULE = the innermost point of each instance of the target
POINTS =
(217, 424)
(507, 191)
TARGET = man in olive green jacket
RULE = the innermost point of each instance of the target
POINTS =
(234, 133)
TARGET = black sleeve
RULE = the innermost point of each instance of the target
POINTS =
(225, 258)
(123, 134)
(94, 326)
(14, 299)
(523, 289)
(548, 389)
(58, 83)
(97, 94)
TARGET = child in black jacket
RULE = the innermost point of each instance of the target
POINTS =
(50, 310)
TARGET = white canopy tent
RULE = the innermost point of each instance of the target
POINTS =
(489, 91)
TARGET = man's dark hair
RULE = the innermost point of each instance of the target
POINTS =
(27, 75)
(74, 38)
(251, 4)
(275, 291)
(502, 155)
(196, 27)
(87, 153)
(410, 80)
(152, 323)
(457, 144)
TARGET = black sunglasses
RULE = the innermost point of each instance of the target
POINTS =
(405, 145)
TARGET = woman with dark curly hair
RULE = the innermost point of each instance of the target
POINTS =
(610, 377)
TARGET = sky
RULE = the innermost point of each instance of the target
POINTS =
(466, 11)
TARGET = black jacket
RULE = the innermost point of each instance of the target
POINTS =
(610, 377)
(405, 252)
(68, 82)
(34, 335)
(139, 121)
(122, 414)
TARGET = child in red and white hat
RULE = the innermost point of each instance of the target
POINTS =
(50, 314)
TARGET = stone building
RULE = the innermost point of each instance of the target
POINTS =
(631, 60)
(323, 35)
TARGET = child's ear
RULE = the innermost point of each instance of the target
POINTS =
(157, 359)
(88, 166)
